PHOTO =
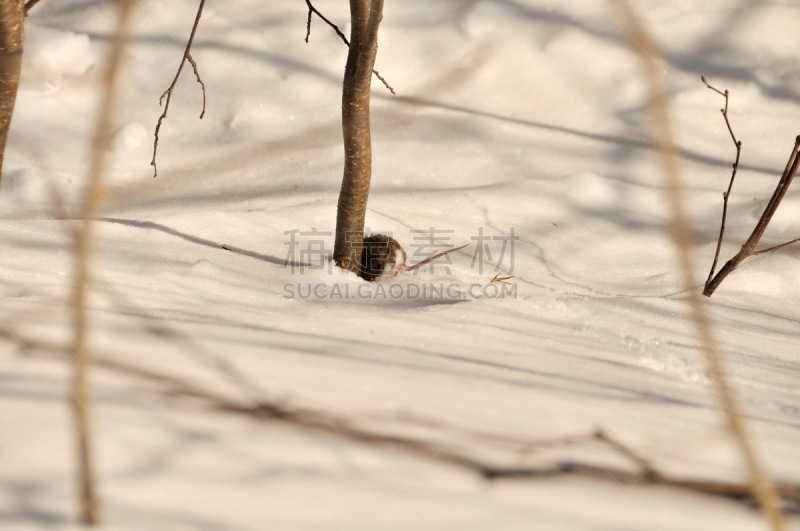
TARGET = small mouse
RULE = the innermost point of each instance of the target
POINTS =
(383, 257)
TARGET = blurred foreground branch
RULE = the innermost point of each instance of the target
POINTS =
(366, 430)
(661, 131)
(94, 197)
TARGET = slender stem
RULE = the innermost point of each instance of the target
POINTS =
(727, 194)
(167, 95)
(315, 11)
(434, 257)
(776, 247)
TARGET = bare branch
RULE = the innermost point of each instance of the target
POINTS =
(727, 194)
(383, 80)
(187, 56)
(501, 279)
(434, 257)
(314, 11)
(29, 5)
(202, 85)
(749, 247)
(776, 247)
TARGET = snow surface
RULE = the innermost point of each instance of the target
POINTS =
(523, 115)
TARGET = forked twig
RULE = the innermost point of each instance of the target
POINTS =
(187, 56)
(314, 11)
(749, 247)
(498, 278)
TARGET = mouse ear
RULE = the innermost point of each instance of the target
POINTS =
(399, 261)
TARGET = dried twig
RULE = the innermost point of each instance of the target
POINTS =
(501, 279)
(29, 5)
(314, 11)
(187, 56)
(661, 130)
(749, 247)
(383, 80)
(776, 247)
(726, 195)
(434, 257)
(94, 197)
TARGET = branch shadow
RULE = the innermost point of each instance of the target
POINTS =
(607, 138)
(150, 225)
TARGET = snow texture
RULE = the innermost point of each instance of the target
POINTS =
(519, 127)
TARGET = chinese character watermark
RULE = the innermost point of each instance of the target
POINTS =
(483, 251)
(308, 249)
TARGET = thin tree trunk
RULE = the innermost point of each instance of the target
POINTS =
(11, 38)
(352, 209)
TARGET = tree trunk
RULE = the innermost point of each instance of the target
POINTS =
(352, 209)
(11, 38)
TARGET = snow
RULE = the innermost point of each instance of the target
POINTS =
(517, 118)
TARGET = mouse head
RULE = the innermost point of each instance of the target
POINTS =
(381, 257)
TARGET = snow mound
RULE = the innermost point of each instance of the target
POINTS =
(52, 55)
(129, 137)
